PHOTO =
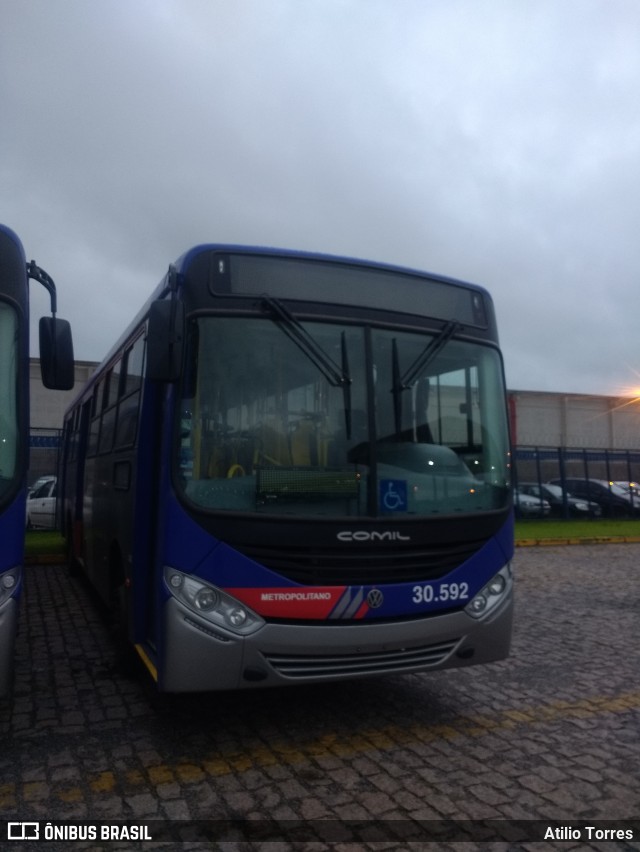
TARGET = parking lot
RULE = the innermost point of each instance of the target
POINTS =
(550, 735)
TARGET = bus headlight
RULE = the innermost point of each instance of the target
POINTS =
(237, 617)
(206, 599)
(9, 581)
(211, 603)
(491, 595)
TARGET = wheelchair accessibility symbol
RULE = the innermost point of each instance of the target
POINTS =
(393, 495)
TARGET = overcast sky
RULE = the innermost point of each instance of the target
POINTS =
(496, 141)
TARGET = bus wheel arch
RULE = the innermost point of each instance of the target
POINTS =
(73, 564)
(117, 575)
(118, 602)
(119, 607)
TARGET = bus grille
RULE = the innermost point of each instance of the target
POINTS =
(364, 565)
(331, 665)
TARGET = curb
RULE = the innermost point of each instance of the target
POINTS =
(561, 542)
(44, 559)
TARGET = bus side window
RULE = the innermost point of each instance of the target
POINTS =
(135, 366)
(130, 402)
(96, 410)
(113, 389)
(110, 408)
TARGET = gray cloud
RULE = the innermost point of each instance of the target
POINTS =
(491, 140)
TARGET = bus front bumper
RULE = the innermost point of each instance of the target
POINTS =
(198, 657)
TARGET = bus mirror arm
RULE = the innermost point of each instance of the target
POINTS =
(39, 275)
(165, 335)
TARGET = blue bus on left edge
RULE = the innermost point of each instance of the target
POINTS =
(56, 354)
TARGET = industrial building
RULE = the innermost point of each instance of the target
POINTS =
(559, 436)
(574, 421)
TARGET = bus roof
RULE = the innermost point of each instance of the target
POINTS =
(184, 262)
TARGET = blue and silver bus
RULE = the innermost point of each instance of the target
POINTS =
(295, 468)
(56, 355)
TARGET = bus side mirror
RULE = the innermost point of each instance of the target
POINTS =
(165, 335)
(56, 354)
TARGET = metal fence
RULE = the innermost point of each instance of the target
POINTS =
(597, 476)
(541, 465)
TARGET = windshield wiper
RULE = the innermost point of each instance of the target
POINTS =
(336, 375)
(346, 387)
(296, 332)
(402, 382)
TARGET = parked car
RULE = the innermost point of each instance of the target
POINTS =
(632, 488)
(554, 495)
(527, 506)
(612, 499)
(39, 483)
(41, 505)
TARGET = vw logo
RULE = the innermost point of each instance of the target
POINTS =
(375, 598)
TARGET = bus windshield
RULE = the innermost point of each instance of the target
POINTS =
(417, 427)
(8, 402)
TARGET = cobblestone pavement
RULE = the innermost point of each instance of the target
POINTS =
(552, 733)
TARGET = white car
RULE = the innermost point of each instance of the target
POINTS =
(530, 507)
(41, 505)
(39, 483)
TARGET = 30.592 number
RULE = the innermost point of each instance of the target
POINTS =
(440, 593)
